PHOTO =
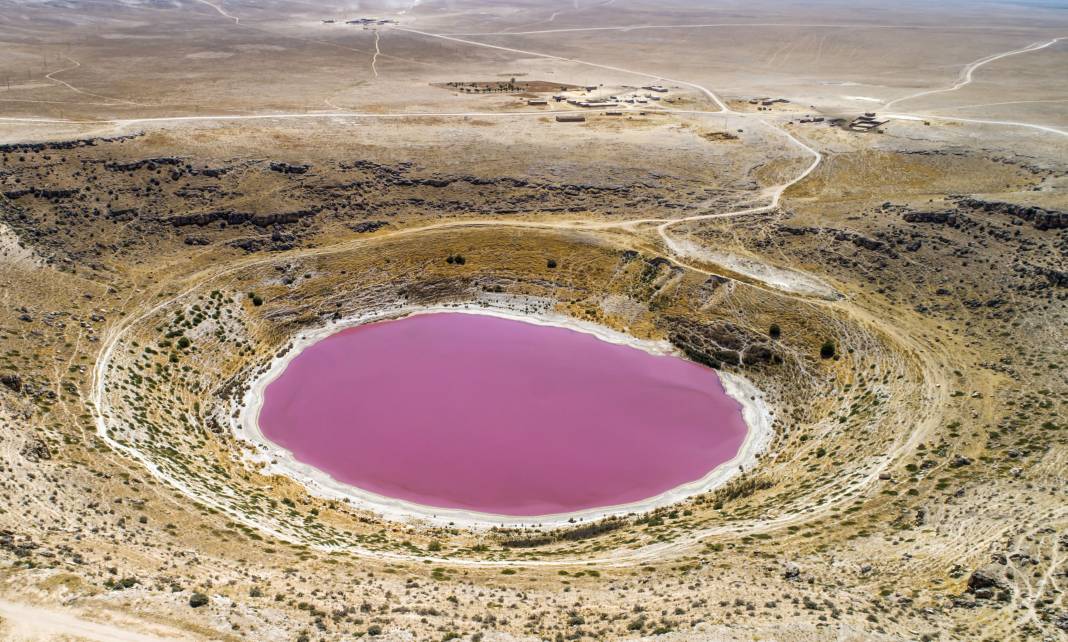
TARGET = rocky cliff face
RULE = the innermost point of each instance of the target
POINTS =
(231, 217)
(1041, 218)
(125, 200)
(720, 343)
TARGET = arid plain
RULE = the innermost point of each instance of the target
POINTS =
(859, 209)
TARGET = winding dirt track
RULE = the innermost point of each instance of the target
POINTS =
(51, 76)
(966, 74)
(220, 10)
(378, 52)
(708, 93)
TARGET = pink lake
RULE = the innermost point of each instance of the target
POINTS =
(476, 412)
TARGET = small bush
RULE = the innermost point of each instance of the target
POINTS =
(774, 331)
(827, 350)
(198, 600)
(124, 583)
(739, 488)
(551, 264)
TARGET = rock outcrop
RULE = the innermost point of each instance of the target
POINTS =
(63, 144)
(721, 343)
(286, 168)
(145, 163)
(1039, 217)
(231, 217)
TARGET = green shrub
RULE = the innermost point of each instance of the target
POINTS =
(827, 350)
(198, 600)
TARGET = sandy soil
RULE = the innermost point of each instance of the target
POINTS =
(20, 622)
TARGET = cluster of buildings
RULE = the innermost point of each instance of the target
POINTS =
(365, 22)
(767, 103)
(611, 101)
(590, 104)
(866, 123)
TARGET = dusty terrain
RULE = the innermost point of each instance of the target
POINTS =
(187, 185)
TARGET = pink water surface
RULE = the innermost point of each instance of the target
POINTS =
(499, 416)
